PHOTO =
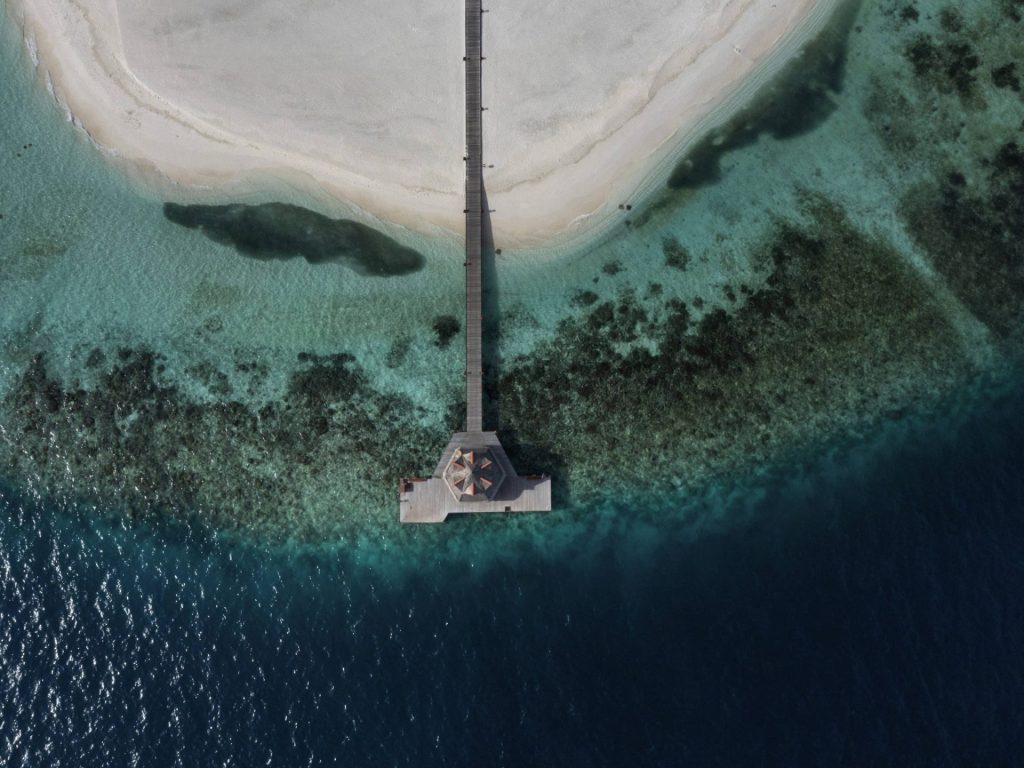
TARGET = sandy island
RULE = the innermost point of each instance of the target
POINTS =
(364, 100)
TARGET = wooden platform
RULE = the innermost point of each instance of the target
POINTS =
(429, 500)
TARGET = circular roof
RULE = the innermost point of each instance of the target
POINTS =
(473, 474)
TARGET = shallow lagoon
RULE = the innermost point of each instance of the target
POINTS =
(785, 290)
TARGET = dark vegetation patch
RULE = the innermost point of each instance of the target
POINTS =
(612, 268)
(951, 20)
(968, 218)
(584, 298)
(212, 378)
(282, 231)
(1006, 77)
(800, 99)
(909, 13)
(894, 119)
(398, 351)
(817, 345)
(1013, 9)
(145, 444)
(95, 359)
(941, 100)
(631, 393)
(974, 236)
(948, 63)
(445, 329)
(676, 255)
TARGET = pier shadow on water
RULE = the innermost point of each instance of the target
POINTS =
(526, 458)
(282, 231)
(490, 307)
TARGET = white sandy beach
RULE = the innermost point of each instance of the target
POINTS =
(364, 100)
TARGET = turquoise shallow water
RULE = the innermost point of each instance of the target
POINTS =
(784, 291)
(787, 532)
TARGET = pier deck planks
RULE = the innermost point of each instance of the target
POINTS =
(429, 500)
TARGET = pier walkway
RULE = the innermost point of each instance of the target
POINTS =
(474, 473)
(474, 215)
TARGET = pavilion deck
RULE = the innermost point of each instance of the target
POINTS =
(429, 500)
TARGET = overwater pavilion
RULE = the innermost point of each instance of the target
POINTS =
(474, 473)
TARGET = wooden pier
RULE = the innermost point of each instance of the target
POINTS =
(474, 473)
(474, 215)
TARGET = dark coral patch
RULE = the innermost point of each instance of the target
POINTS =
(973, 236)
(631, 393)
(1006, 77)
(584, 298)
(909, 13)
(816, 344)
(445, 329)
(1013, 9)
(133, 437)
(951, 65)
(398, 351)
(676, 255)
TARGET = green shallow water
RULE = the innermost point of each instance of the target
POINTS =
(837, 258)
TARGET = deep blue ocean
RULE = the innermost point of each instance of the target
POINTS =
(869, 612)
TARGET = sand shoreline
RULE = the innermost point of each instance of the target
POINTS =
(552, 186)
